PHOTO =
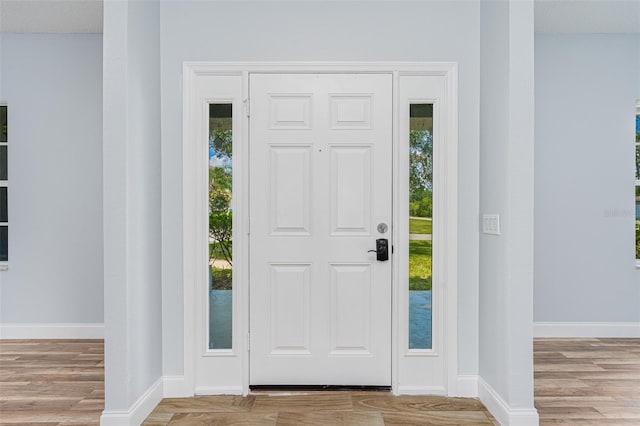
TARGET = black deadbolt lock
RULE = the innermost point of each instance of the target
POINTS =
(382, 249)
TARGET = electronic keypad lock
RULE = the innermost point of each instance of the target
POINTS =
(382, 249)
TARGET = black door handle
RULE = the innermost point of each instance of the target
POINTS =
(382, 249)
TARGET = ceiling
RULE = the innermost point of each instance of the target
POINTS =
(587, 16)
(551, 16)
(51, 16)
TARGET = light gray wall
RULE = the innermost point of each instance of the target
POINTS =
(319, 31)
(506, 188)
(133, 293)
(586, 89)
(53, 87)
(494, 100)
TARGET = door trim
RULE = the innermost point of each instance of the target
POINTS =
(235, 362)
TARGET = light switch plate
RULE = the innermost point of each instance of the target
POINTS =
(491, 224)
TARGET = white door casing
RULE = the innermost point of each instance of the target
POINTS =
(425, 371)
(227, 371)
(320, 174)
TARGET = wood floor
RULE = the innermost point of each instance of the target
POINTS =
(50, 382)
(587, 381)
(322, 409)
(577, 382)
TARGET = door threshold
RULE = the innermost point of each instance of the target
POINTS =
(304, 389)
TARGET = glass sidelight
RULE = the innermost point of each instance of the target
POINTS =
(420, 225)
(220, 226)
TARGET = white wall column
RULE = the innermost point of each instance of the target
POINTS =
(131, 164)
(506, 188)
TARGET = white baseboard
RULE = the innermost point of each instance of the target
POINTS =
(138, 411)
(422, 390)
(219, 390)
(52, 331)
(467, 386)
(176, 387)
(586, 329)
(504, 414)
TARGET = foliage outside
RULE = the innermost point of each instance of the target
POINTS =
(420, 226)
(420, 208)
(638, 239)
(420, 173)
(220, 213)
(420, 265)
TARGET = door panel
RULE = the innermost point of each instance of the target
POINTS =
(290, 174)
(320, 179)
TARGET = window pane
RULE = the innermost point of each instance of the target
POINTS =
(637, 161)
(638, 123)
(3, 204)
(3, 163)
(3, 124)
(420, 224)
(220, 226)
(4, 243)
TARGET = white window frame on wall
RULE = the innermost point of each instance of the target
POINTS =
(232, 367)
(4, 183)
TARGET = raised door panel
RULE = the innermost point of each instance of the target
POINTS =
(290, 192)
(351, 309)
(288, 306)
(350, 190)
(290, 111)
(351, 112)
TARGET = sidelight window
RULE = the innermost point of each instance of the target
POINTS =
(420, 225)
(220, 226)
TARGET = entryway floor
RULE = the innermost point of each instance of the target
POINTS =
(320, 408)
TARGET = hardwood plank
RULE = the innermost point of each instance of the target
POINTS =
(53, 390)
(224, 419)
(206, 404)
(437, 418)
(37, 405)
(619, 412)
(47, 382)
(575, 401)
(303, 403)
(585, 422)
(330, 418)
(567, 367)
(88, 404)
(158, 419)
(48, 416)
(568, 412)
(553, 383)
(415, 404)
(587, 381)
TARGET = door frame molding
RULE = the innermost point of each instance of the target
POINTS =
(235, 362)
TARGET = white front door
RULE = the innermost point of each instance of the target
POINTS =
(320, 196)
